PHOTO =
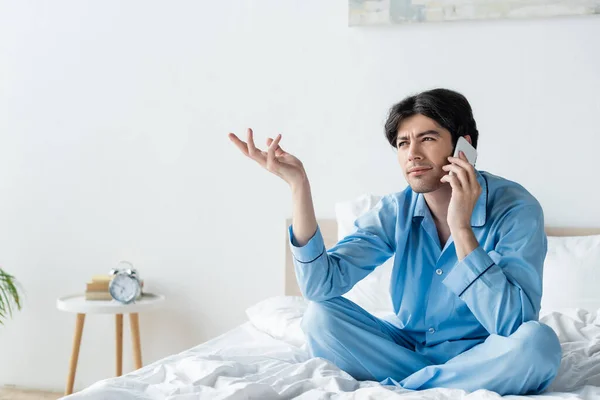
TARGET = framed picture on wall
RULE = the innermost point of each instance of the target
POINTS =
(389, 12)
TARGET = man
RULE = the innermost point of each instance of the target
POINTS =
(467, 278)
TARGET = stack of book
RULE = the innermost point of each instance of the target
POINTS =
(97, 288)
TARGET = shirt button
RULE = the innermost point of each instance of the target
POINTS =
(439, 271)
(431, 330)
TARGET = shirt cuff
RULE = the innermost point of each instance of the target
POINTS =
(467, 271)
(311, 250)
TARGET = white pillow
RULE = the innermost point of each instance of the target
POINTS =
(572, 273)
(280, 317)
(373, 292)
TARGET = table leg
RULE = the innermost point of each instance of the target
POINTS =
(135, 337)
(75, 353)
(119, 343)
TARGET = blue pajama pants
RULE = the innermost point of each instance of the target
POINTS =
(369, 348)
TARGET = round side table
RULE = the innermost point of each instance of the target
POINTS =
(79, 305)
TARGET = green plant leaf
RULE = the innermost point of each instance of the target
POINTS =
(10, 298)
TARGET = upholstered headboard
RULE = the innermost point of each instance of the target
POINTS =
(329, 231)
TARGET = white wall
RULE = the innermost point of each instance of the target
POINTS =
(113, 123)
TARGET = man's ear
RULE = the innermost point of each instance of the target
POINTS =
(468, 138)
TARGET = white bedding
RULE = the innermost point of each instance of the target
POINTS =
(261, 361)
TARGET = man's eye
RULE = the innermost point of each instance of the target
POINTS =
(400, 144)
(428, 138)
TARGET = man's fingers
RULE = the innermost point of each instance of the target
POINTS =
(462, 161)
(271, 151)
(251, 147)
(459, 172)
(452, 180)
(278, 151)
(240, 144)
(265, 159)
(253, 152)
(275, 143)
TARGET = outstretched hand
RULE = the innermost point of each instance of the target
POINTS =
(275, 159)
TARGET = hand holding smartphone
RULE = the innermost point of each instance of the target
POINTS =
(470, 152)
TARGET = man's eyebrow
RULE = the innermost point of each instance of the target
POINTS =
(429, 132)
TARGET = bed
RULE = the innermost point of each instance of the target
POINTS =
(266, 357)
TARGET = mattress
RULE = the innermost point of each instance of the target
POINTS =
(258, 361)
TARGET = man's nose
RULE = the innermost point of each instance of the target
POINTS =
(414, 152)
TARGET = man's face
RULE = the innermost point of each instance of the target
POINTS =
(423, 149)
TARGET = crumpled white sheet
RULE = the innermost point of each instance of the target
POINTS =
(579, 334)
(246, 363)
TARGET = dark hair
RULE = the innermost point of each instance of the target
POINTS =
(448, 108)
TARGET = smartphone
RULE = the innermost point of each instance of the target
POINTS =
(465, 147)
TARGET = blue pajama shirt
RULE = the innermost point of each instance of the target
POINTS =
(470, 324)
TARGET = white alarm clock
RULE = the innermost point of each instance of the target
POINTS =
(125, 285)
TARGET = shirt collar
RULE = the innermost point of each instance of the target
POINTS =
(479, 212)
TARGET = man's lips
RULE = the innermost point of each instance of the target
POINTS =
(418, 170)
